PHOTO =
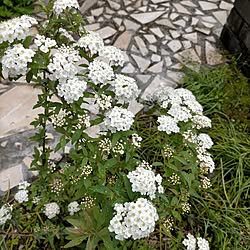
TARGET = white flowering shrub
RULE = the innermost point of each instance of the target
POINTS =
(136, 177)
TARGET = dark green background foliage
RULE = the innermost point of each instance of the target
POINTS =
(14, 8)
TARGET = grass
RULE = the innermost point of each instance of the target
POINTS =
(224, 94)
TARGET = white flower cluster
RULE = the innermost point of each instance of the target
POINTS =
(72, 89)
(125, 88)
(114, 55)
(181, 105)
(118, 119)
(16, 28)
(22, 195)
(136, 140)
(62, 64)
(190, 243)
(201, 121)
(61, 5)
(92, 42)
(133, 219)
(145, 182)
(100, 72)
(168, 124)
(180, 113)
(205, 159)
(51, 210)
(203, 142)
(15, 60)
(5, 214)
(73, 207)
(104, 102)
(44, 43)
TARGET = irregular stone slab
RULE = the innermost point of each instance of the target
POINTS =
(135, 107)
(141, 45)
(156, 68)
(150, 38)
(188, 3)
(187, 56)
(87, 5)
(226, 6)
(158, 1)
(118, 21)
(213, 56)
(181, 9)
(143, 78)
(153, 48)
(181, 23)
(175, 45)
(11, 177)
(207, 5)
(209, 19)
(165, 22)
(191, 37)
(203, 30)
(175, 33)
(114, 5)
(123, 41)
(16, 111)
(97, 12)
(106, 32)
(92, 27)
(221, 16)
(147, 17)
(158, 82)
(155, 58)
(168, 61)
(131, 25)
(128, 69)
(157, 31)
(141, 62)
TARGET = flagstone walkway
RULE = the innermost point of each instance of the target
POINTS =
(157, 36)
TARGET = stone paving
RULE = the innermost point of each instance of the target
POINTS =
(158, 37)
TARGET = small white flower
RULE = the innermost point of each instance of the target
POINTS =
(44, 43)
(145, 182)
(100, 72)
(72, 89)
(114, 55)
(15, 60)
(23, 185)
(21, 196)
(168, 124)
(202, 244)
(5, 214)
(190, 242)
(61, 5)
(125, 88)
(118, 119)
(92, 42)
(51, 210)
(201, 121)
(73, 207)
(17, 28)
(133, 219)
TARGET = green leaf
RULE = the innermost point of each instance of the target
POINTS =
(102, 190)
(75, 242)
(29, 77)
(157, 164)
(27, 41)
(76, 136)
(176, 215)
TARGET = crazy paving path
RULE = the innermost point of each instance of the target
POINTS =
(157, 37)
